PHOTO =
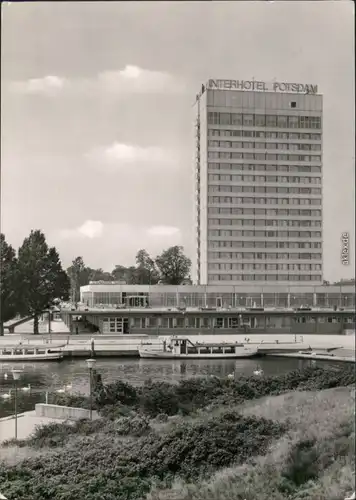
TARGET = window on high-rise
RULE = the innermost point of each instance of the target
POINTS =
(282, 121)
(225, 119)
(248, 120)
(236, 119)
(293, 122)
(260, 121)
(271, 121)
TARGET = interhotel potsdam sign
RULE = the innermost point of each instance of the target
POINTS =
(262, 86)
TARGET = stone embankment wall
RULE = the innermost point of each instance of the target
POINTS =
(62, 412)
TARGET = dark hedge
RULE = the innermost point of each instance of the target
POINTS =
(155, 398)
(101, 468)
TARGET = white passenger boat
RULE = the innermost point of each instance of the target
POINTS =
(31, 353)
(177, 347)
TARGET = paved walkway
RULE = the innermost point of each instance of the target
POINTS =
(57, 326)
(26, 424)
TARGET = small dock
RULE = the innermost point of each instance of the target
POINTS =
(289, 347)
(315, 356)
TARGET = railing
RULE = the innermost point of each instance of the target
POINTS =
(238, 308)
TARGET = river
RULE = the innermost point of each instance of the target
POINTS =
(42, 377)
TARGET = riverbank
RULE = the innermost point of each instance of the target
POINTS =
(202, 439)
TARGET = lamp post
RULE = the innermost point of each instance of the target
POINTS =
(16, 376)
(91, 363)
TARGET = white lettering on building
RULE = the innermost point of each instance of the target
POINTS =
(300, 88)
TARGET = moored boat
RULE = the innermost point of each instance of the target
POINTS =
(180, 347)
(31, 353)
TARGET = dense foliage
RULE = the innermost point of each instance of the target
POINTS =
(154, 398)
(126, 468)
(32, 282)
(122, 456)
(171, 267)
(42, 277)
(8, 284)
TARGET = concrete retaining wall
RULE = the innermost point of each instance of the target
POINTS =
(62, 412)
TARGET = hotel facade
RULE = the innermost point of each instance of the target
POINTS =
(258, 184)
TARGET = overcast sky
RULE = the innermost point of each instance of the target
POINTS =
(97, 123)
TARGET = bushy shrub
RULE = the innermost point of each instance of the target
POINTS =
(113, 412)
(134, 426)
(308, 458)
(199, 391)
(196, 449)
(68, 399)
(189, 395)
(302, 463)
(99, 468)
(8, 443)
(159, 397)
(55, 434)
(162, 417)
(51, 435)
(116, 392)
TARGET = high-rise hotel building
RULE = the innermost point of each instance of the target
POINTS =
(258, 174)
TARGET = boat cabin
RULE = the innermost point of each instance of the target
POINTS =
(183, 345)
(28, 351)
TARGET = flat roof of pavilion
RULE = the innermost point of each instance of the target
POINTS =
(100, 311)
(112, 286)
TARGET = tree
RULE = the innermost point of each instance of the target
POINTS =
(119, 273)
(173, 265)
(99, 275)
(127, 274)
(146, 270)
(42, 278)
(79, 276)
(9, 283)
